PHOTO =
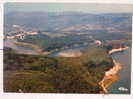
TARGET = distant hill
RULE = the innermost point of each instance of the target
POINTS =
(69, 21)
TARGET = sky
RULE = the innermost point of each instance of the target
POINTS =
(69, 7)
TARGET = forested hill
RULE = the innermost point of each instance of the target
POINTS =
(37, 74)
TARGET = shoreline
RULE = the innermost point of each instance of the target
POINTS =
(110, 76)
(70, 54)
(117, 50)
(36, 48)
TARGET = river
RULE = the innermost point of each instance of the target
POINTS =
(124, 58)
(124, 75)
(19, 49)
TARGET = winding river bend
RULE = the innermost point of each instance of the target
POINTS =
(123, 57)
(124, 75)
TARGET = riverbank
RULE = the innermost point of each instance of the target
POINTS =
(70, 54)
(117, 50)
(35, 47)
(110, 75)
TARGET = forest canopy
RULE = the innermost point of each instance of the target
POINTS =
(45, 74)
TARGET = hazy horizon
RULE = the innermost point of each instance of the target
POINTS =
(68, 7)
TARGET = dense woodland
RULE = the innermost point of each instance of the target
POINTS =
(47, 43)
(45, 74)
